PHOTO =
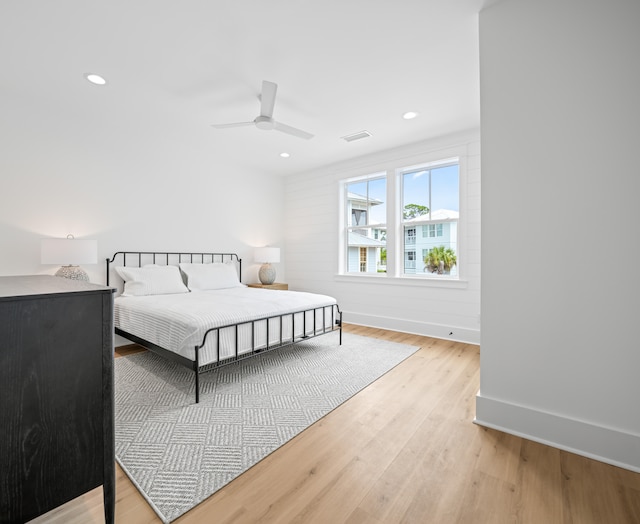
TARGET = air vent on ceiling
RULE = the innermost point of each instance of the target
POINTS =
(356, 136)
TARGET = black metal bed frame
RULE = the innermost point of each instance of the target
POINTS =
(204, 258)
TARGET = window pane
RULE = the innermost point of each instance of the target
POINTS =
(366, 226)
(377, 199)
(366, 201)
(415, 194)
(445, 188)
(431, 195)
(357, 204)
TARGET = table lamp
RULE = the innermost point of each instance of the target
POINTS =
(69, 253)
(266, 256)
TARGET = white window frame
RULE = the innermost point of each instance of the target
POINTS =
(343, 236)
(393, 170)
(400, 172)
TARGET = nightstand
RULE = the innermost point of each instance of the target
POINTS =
(275, 285)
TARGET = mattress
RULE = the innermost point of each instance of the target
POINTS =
(178, 322)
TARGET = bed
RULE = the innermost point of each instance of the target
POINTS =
(193, 309)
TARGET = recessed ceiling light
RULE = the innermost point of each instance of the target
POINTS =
(409, 115)
(95, 79)
(285, 155)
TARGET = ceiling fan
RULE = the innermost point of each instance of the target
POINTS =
(265, 119)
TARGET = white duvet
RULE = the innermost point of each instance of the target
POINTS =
(178, 322)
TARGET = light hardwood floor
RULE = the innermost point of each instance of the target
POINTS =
(404, 450)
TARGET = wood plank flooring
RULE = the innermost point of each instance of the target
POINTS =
(404, 450)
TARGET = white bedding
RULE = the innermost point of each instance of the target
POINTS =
(178, 322)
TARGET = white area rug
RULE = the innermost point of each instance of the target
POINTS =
(178, 453)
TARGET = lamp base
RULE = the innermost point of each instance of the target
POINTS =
(267, 274)
(73, 273)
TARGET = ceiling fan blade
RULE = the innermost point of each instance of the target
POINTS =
(235, 124)
(268, 98)
(292, 130)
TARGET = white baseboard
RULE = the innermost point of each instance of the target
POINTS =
(468, 336)
(607, 445)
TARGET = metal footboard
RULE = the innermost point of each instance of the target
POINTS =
(335, 324)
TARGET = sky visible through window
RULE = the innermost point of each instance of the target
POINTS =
(444, 188)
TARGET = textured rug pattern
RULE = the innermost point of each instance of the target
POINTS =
(178, 453)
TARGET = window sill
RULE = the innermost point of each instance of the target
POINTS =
(418, 281)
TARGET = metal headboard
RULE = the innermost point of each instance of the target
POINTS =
(170, 258)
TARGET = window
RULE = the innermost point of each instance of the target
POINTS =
(410, 236)
(358, 217)
(366, 225)
(432, 230)
(409, 260)
(417, 235)
(430, 200)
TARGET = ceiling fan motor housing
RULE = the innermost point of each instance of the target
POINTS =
(264, 122)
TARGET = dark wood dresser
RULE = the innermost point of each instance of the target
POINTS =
(56, 394)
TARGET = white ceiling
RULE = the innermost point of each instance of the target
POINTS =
(175, 67)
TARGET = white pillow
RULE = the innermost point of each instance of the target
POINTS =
(203, 277)
(151, 280)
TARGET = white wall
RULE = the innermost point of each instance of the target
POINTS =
(65, 171)
(560, 83)
(434, 309)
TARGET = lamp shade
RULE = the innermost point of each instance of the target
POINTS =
(267, 255)
(69, 251)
